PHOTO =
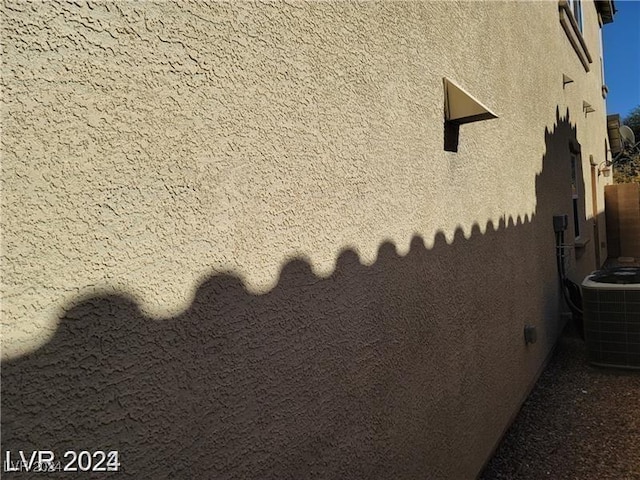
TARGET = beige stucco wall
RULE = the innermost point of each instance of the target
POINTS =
(590, 134)
(151, 149)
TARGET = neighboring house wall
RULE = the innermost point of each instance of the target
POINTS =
(234, 247)
(623, 219)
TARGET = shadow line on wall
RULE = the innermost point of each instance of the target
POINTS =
(410, 366)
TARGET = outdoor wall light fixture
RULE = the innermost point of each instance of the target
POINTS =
(587, 108)
(460, 107)
(604, 168)
(566, 79)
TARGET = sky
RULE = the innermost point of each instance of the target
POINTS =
(621, 43)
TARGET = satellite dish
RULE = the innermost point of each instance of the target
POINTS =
(627, 135)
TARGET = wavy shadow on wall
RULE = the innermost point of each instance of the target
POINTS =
(407, 368)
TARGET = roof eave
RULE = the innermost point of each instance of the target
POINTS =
(607, 10)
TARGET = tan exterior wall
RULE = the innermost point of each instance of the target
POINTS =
(236, 223)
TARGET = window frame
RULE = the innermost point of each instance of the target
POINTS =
(575, 193)
(576, 9)
(574, 30)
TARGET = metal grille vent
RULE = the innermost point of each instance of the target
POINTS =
(611, 303)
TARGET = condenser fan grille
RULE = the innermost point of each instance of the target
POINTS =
(611, 302)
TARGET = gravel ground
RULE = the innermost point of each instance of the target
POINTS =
(579, 422)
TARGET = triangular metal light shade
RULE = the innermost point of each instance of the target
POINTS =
(566, 79)
(461, 107)
(587, 107)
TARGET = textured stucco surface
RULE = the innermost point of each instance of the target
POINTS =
(232, 232)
